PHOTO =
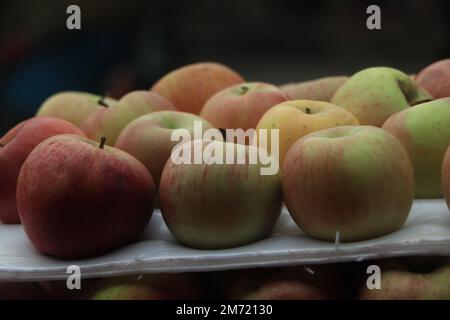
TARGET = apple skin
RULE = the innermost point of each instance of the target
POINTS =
(147, 287)
(109, 122)
(293, 120)
(446, 177)
(424, 131)
(22, 291)
(374, 94)
(17, 144)
(72, 106)
(148, 138)
(321, 89)
(77, 200)
(400, 281)
(241, 106)
(436, 79)
(189, 87)
(355, 180)
(214, 206)
(287, 283)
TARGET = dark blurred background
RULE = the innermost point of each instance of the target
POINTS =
(126, 45)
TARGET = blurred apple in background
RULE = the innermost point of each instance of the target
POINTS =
(321, 89)
(446, 176)
(297, 118)
(374, 94)
(111, 120)
(148, 137)
(212, 205)
(189, 87)
(319, 282)
(73, 106)
(436, 79)
(15, 147)
(421, 278)
(78, 198)
(354, 183)
(424, 131)
(241, 106)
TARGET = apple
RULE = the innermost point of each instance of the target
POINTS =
(110, 121)
(58, 290)
(241, 106)
(189, 87)
(22, 291)
(210, 205)
(79, 199)
(424, 131)
(321, 89)
(73, 106)
(374, 94)
(351, 182)
(148, 138)
(401, 280)
(319, 282)
(147, 287)
(436, 79)
(297, 118)
(15, 147)
(446, 177)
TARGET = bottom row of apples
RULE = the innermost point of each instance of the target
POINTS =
(397, 278)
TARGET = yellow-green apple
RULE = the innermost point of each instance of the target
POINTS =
(22, 291)
(73, 106)
(321, 89)
(424, 131)
(149, 137)
(110, 121)
(402, 280)
(210, 202)
(15, 147)
(147, 287)
(78, 198)
(446, 177)
(436, 79)
(374, 94)
(319, 282)
(189, 87)
(352, 183)
(297, 118)
(241, 106)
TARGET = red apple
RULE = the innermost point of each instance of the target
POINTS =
(436, 79)
(79, 199)
(15, 147)
(189, 87)
(242, 105)
(354, 182)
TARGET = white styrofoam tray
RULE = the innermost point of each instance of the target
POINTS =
(426, 232)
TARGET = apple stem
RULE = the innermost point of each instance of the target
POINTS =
(244, 90)
(222, 131)
(102, 102)
(1, 145)
(102, 143)
(308, 110)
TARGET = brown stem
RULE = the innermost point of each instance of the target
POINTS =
(308, 110)
(102, 143)
(2, 145)
(102, 102)
(244, 90)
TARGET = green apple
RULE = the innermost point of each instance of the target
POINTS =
(353, 183)
(446, 177)
(73, 106)
(321, 89)
(110, 121)
(211, 204)
(402, 280)
(149, 137)
(424, 131)
(374, 94)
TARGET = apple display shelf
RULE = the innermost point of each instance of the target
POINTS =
(426, 232)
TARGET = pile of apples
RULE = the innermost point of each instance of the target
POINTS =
(85, 174)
